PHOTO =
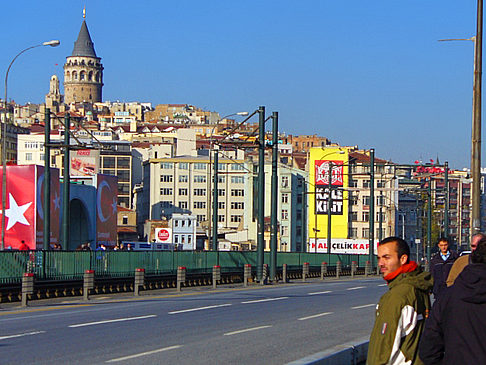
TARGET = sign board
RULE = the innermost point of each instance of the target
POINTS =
(342, 246)
(163, 235)
(84, 162)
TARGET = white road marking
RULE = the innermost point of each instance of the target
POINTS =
(145, 353)
(364, 306)
(264, 300)
(199, 309)
(356, 287)
(111, 321)
(321, 292)
(246, 330)
(383, 285)
(22, 335)
(315, 316)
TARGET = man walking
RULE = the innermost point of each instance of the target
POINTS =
(401, 312)
(454, 332)
(441, 265)
(463, 261)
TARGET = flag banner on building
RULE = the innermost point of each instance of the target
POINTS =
(55, 206)
(25, 199)
(106, 209)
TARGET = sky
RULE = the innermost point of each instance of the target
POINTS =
(366, 73)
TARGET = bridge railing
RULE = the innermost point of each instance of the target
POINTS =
(70, 265)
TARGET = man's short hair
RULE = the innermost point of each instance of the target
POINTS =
(402, 246)
(478, 256)
(443, 239)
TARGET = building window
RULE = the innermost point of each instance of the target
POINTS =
(237, 192)
(221, 218)
(199, 166)
(366, 184)
(123, 162)
(285, 181)
(285, 198)
(353, 199)
(199, 178)
(285, 214)
(380, 200)
(183, 205)
(354, 216)
(237, 167)
(365, 217)
(108, 162)
(28, 156)
(237, 205)
(183, 191)
(199, 205)
(380, 215)
(176, 222)
(353, 183)
(200, 192)
(201, 217)
(237, 179)
(221, 205)
(176, 238)
(236, 218)
(166, 165)
(125, 220)
(183, 165)
(365, 232)
(166, 191)
(221, 166)
(353, 233)
(166, 178)
(284, 230)
(221, 192)
(183, 178)
(366, 200)
(221, 179)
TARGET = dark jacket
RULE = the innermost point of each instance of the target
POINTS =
(440, 271)
(455, 331)
(400, 319)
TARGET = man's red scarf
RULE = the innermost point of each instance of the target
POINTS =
(411, 266)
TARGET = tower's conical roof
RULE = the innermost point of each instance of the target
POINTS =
(84, 46)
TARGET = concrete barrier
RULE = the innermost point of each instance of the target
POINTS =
(305, 271)
(88, 283)
(284, 273)
(27, 287)
(181, 277)
(346, 354)
(139, 281)
(216, 275)
(323, 270)
(246, 274)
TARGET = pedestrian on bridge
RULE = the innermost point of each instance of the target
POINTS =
(401, 312)
(455, 331)
(441, 265)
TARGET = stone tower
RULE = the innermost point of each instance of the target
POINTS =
(83, 71)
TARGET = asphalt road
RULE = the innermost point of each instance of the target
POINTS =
(260, 325)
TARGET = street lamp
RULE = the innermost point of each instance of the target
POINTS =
(52, 43)
(215, 193)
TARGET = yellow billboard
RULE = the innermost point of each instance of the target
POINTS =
(325, 163)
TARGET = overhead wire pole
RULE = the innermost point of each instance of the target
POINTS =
(47, 181)
(215, 202)
(372, 207)
(261, 192)
(65, 196)
(273, 230)
(446, 203)
(476, 125)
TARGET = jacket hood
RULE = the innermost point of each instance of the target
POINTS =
(472, 282)
(417, 278)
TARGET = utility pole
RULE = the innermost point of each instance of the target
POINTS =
(274, 229)
(476, 125)
(446, 203)
(65, 196)
(215, 201)
(329, 208)
(261, 193)
(429, 219)
(372, 207)
(47, 181)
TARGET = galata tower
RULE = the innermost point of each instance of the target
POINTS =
(83, 71)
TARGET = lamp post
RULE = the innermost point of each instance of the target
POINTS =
(53, 43)
(215, 178)
(371, 257)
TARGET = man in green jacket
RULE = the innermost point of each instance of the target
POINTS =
(401, 312)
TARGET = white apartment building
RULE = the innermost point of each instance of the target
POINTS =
(183, 185)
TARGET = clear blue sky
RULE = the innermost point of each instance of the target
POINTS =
(367, 73)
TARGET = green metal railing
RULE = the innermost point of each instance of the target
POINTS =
(70, 265)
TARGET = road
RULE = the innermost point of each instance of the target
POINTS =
(260, 325)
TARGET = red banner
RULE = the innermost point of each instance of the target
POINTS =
(55, 206)
(20, 207)
(106, 210)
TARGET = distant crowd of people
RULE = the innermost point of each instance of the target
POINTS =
(408, 330)
(102, 247)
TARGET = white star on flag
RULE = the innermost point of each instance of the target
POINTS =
(57, 201)
(15, 213)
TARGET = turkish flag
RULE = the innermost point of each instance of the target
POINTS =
(19, 206)
(106, 208)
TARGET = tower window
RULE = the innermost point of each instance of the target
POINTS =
(75, 75)
(90, 76)
(82, 75)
